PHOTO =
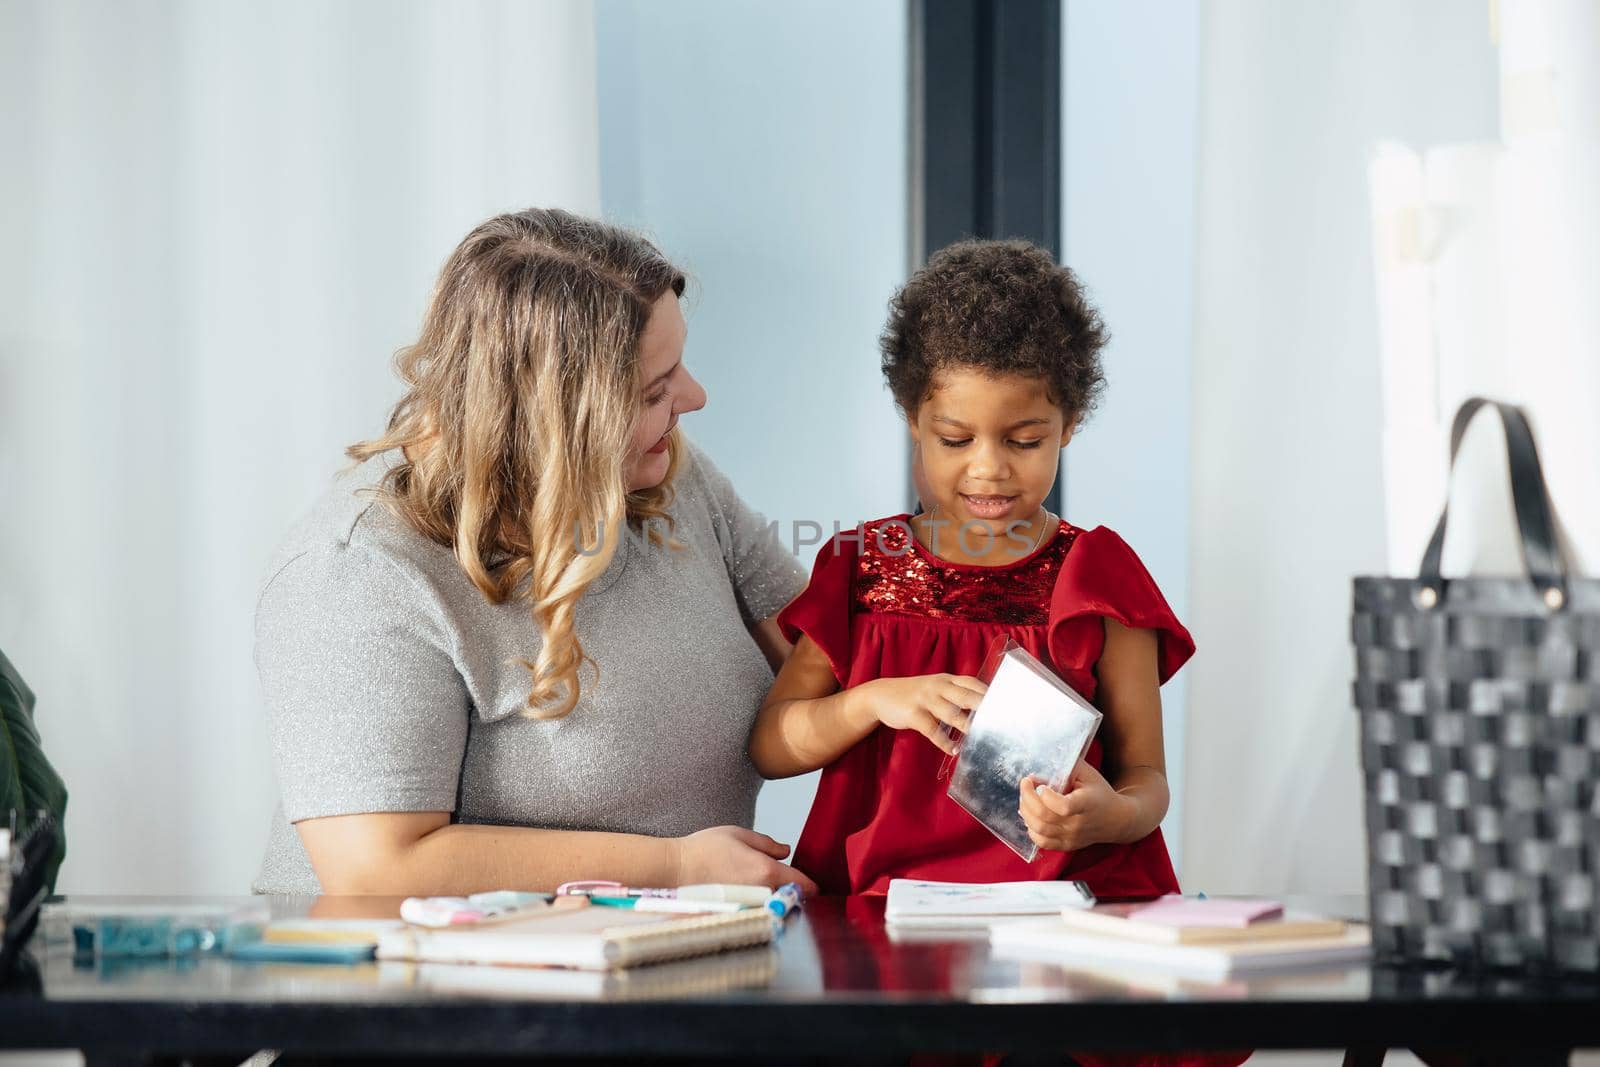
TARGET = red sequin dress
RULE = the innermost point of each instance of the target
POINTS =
(882, 606)
(888, 608)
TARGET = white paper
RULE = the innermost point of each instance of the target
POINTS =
(1486, 256)
(914, 900)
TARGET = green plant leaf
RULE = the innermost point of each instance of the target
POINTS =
(28, 783)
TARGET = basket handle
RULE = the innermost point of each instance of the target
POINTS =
(1535, 523)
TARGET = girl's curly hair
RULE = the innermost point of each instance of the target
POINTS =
(1002, 307)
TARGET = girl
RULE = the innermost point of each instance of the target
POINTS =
(992, 354)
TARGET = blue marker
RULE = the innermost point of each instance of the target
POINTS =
(784, 899)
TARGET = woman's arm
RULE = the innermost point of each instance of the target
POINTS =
(1129, 800)
(424, 854)
(807, 722)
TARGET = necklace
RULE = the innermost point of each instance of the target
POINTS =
(1044, 526)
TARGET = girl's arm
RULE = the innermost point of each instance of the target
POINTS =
(807, 722)
(1130, 799)
(1135, 753)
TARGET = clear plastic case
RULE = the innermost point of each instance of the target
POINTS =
(1029, 722)
(153, 927)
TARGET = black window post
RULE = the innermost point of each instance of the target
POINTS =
(985, 126)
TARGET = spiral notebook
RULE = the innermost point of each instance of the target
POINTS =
(747, 968)
(588, 938)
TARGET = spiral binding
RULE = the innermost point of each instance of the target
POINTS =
(684, 938)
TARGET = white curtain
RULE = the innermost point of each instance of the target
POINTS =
(218, 220)
(1488, 262)
(1288, 419)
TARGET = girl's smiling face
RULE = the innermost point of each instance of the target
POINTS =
(990, 446)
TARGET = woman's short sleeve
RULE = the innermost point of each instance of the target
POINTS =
(765, 575)
(365, 707)
(1102, 577)
(822, 610)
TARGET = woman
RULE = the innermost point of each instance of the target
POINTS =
(523, 641)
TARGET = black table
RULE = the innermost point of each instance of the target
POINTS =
(836, 988)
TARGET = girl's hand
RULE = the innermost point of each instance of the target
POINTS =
(922, 704)
(736, 856)
(1089, 813)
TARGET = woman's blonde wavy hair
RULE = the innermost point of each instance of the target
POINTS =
(523, 391)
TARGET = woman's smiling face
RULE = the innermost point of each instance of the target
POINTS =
(669, 391)
(990, 445)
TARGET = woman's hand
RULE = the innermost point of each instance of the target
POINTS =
(736, 856)
(923, 703)
(1090, 812)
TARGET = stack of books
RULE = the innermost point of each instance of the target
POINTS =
(1207, 939)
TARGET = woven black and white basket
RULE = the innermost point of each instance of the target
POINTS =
(1480, 748)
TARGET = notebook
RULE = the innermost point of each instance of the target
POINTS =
(304, 951)
(1192, 922)
(328, 931)
(1053, 941)
(1178, 910)
(588, 938)
(920, 903)
(748, 968)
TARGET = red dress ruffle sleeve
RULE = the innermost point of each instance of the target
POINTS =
(1102, 578)
(822, 610)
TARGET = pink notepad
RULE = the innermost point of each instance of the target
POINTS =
(1186, 911)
